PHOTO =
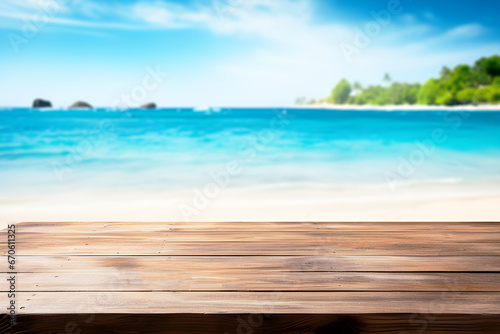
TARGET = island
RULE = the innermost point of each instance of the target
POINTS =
(463, 85)
(150, 105)
(41, 103)
(80, 105)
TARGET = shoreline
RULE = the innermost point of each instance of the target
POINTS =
(489, 107)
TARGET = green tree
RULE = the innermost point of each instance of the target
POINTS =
(461, 85)
(429, 92)
(340, 93)
(488, 94)
(467, 96)
(444, 91)
(461, 77)
(410, 93)
(445, 73)
(357, 88)
(488, 66)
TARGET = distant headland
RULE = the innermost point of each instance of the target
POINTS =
(464, 85)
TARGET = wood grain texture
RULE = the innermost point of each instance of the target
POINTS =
(257, 226)
(336, 277)
(258, 243)
(311, 239)
(217, 280)
(47, 263)
(269, 302)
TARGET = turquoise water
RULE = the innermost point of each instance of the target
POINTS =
(175, 149)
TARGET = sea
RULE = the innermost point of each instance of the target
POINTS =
(59, 151)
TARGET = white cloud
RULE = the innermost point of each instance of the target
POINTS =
(162, 14)
(154, 15)
(466, 31)
(20, 19)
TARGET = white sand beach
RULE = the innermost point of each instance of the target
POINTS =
(405, 107)
(432, 203)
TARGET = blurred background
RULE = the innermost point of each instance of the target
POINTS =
(248, 110)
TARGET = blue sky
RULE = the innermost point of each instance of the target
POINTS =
(230, 52)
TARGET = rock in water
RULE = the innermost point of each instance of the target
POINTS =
(40, 103)
(150, 105)
(80, 105)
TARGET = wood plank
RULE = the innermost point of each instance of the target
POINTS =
(258, 302)
(237, 280)
(191, 242)
(34, 238)
(332, 263)
(55, 227)
(362, 246)
(256, 272)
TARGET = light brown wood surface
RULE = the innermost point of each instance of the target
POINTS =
(241, 267)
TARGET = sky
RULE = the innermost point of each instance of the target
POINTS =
(229, 52)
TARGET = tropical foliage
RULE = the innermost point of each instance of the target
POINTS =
(464, 84)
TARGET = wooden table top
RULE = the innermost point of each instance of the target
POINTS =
(266, 268)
